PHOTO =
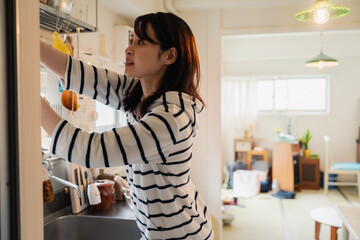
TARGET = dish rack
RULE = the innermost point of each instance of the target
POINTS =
(81, 177)
(52, 20)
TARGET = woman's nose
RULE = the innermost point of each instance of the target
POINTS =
(128, 50)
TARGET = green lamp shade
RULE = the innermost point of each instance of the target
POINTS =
(321, 61)
(332, 10)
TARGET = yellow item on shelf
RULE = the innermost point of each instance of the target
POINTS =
(58, 44)
(68, 98)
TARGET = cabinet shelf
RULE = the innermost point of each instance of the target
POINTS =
(52, 19)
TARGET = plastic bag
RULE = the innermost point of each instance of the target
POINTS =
(246, 183)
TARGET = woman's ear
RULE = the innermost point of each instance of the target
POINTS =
(171, 56)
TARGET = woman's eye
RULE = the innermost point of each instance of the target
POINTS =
(140, 42)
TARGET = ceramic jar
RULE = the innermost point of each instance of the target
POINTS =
(106, 189)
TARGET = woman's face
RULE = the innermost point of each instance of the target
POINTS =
(144, 59)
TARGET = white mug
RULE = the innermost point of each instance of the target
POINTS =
(93, 194)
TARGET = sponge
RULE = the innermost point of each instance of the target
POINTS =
(48, 191)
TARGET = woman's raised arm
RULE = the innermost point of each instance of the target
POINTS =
(49, 118)
(53, 59)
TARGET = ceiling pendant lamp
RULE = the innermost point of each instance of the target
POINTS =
(321, 11)
(322, 61)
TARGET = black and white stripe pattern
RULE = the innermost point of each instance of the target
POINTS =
(157, 150)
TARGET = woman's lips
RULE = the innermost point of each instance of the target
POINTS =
(128, 64)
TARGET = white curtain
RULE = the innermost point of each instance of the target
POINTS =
(238, 111)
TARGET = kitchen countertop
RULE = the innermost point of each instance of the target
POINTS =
(118, 209)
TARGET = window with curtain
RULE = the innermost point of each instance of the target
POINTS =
(238, 110)
(303, 94)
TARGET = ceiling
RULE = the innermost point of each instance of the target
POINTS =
(126, 8)
(227, 4)
(130, 7)
(238, 12)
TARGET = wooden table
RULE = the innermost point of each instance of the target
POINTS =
(327, 216)
(351, 221)
(242, 146)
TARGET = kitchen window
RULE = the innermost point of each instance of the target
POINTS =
(108, 118)
(305, 95)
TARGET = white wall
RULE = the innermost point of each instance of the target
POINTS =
(206, 164)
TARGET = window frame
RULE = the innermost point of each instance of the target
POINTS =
(297, 112)
(120, 119)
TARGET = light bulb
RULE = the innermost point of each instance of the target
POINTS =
(321, 16)
(321, 64)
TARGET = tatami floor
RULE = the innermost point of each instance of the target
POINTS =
(265, 217)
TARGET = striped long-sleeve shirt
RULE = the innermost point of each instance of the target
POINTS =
(157, 150)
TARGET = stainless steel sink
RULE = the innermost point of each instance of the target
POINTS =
(76, 227)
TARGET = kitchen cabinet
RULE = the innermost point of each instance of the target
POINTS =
(309, 173)
(52, 19)
(122, 41)
(285, 166)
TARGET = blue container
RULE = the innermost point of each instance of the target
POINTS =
(264, 186)
(332, 178)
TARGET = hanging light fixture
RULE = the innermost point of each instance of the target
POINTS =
(321, 11)
(321, 61)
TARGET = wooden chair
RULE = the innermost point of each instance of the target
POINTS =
(339, 168)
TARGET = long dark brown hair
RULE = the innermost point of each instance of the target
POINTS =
(184, 74)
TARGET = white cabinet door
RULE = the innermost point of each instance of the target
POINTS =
(122, 38)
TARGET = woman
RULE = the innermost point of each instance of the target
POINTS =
(159, 93)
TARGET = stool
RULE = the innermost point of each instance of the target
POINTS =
(264, 153)
(328, 216)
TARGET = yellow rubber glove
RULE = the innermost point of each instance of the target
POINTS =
(58, 44)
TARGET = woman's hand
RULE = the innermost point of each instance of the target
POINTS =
(49, 118)
(53, 60)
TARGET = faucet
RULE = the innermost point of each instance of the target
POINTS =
(49, 166)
